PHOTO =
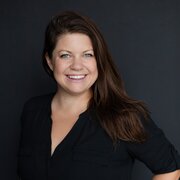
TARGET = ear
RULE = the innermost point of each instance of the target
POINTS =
(49, 61)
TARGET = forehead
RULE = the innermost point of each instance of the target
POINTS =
(74, 42)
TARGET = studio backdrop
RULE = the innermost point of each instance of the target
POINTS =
(143, 38)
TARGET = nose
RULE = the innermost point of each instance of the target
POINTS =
(76, 64)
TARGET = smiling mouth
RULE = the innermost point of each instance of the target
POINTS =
(76, 77)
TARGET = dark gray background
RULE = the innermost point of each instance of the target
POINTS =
(143, 37)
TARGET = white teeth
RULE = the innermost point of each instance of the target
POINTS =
(77, 77)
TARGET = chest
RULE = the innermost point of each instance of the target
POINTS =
(83, 147)
(60, 128)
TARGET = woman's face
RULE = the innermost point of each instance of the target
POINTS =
(73, 63)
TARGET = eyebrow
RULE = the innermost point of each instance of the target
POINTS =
(71, 52)
(88, 50)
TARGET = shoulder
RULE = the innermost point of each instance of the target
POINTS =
(38, 102)
(36, 107)
(157, 152)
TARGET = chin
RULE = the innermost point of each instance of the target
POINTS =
(78, 92)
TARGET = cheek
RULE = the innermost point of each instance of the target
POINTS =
(59, 67)
(95, 69)
(93, 66)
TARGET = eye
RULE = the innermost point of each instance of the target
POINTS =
(88, 55)
(65, 56)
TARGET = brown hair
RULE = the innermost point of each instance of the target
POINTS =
(120, 115)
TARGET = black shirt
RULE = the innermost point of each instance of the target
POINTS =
(87, 151)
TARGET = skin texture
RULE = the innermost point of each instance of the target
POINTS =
(73, 55)
(175, 175)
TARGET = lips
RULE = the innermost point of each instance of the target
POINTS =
(76, 77)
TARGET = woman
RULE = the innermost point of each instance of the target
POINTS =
(89, 128)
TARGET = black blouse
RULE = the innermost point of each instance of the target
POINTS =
(87, 151)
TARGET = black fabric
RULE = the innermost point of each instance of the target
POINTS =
(87, 151)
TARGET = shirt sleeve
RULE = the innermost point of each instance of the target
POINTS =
(157, 153)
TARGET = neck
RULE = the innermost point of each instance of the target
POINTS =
(72, 104)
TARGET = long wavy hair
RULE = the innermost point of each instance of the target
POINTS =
(120, 115)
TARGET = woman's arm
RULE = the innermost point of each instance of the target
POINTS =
(175, 175)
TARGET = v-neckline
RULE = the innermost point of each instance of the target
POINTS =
(43, 129)
(64, 139)
(69, 136)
